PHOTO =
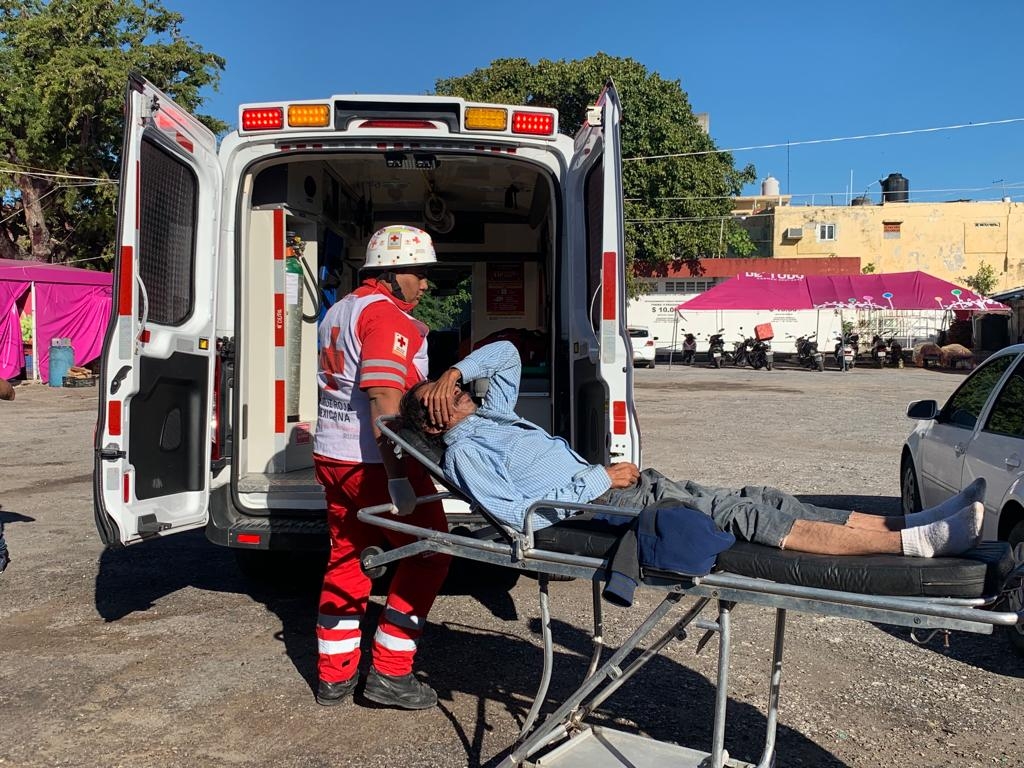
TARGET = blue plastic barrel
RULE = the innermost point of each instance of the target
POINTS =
(62, 357)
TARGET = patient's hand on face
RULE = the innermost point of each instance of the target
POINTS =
(623, 475)
(439, 397)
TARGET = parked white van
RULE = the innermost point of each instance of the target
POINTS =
(227, 257)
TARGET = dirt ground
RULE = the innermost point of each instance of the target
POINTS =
(161, 654)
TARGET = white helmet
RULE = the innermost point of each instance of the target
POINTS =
(397, 246)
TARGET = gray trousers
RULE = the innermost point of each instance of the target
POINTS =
(756, 513)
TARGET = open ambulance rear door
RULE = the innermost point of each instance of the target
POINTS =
(598, 163)
(151, 471)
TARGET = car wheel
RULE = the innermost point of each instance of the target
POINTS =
(910, 494)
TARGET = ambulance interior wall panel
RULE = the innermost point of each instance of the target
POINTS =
(257, 385)
(299, 452)
(264, 451)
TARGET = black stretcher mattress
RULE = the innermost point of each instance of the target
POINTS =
(980, 571)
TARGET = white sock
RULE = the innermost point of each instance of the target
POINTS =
(972, 493)
(950, 536)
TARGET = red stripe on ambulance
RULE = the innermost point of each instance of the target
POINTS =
(125, 282)
(279, 406)
(114, 418)
(619, 417)
(609, 299)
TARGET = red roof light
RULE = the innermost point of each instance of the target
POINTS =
(397, 124)
(263, 119)
(535, 123)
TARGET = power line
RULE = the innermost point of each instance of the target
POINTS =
(1008, 185)
(831, 140)
(29, 171)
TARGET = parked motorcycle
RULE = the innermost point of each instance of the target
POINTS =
(895, 353)
(807, 353)
(879, 351)
(716, 349)
(761, 355)
(741, 350)
(689, 348)
(845, 352)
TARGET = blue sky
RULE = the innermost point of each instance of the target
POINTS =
(767, 73)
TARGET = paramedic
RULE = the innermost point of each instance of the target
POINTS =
(506, 463)
(372, 351)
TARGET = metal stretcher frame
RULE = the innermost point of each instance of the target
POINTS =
(599, 746)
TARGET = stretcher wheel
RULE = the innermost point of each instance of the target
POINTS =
(377, 571)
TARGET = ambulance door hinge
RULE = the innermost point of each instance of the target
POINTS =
(110, 453)
(226, 348)
(149, 524)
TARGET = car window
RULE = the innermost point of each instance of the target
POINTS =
(1007, 416)
(966, 404)
(638, 333)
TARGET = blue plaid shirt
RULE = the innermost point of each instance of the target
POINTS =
(506, 463)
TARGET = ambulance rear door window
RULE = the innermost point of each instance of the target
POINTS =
(167, 234)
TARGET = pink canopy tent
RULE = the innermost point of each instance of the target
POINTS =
(896, 290)
(66, 303)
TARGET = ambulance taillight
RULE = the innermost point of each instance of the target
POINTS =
(262, 119)
(533, 123)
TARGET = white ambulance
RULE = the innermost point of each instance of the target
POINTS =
(228, 257)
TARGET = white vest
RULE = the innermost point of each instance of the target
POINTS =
(344, 428)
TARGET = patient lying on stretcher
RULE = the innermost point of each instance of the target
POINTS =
(506, 463)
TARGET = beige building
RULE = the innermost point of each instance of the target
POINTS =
(948, 240)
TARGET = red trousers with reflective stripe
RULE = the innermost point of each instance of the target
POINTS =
(346, 591)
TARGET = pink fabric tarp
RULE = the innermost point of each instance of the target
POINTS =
(896, 290)
(754, 290)
(79, 314)
(70, 303)
(12, 357)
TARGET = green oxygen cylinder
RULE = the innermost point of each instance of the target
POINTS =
(293, 323)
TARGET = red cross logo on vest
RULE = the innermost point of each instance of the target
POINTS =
(401, 346)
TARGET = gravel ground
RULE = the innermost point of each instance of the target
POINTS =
(162, 654)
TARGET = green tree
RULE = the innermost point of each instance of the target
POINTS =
(983, 281)
(64, 65)
(677, 208)
(440, 311)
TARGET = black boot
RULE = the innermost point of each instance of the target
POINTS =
(330, 694)
(404, 691)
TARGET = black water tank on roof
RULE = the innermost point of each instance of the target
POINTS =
(895, 188)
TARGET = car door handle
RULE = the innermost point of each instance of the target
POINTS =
(958, 449)
(1012, 462)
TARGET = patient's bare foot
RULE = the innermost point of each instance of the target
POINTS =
(950, 536)
(970, 494)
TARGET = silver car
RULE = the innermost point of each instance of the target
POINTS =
(979, 432)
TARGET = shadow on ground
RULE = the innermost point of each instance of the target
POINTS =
(670, 701)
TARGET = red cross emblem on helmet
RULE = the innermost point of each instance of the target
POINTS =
(395, 238)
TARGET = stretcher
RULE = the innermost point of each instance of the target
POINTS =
(928, 596)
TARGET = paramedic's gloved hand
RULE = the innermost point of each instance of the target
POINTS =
(403, 497)
(438, 397)
(624, 474)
